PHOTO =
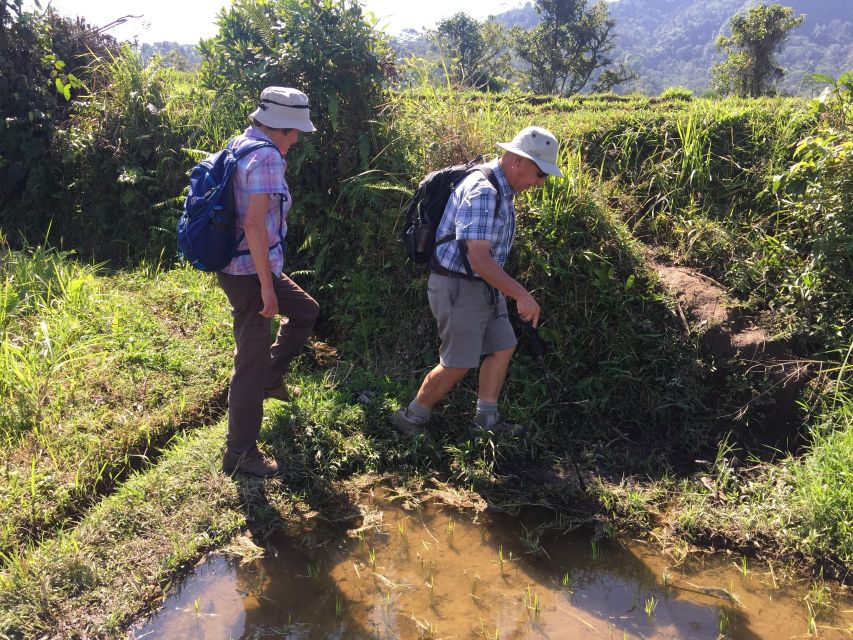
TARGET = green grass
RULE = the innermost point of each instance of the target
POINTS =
(98, 373)
(800, 506)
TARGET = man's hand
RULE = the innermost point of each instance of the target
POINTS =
(481, 260)
(269, 300)
(528, 309)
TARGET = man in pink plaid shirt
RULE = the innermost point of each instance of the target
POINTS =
(254, 283)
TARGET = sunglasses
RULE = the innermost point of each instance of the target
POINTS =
(539, 173)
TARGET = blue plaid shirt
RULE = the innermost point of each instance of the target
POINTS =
(470, 215)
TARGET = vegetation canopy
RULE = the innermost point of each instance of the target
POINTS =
(756, 37)
(569, 50)
(477, 52)
(324, 48)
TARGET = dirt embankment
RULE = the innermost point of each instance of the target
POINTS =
(734, 334)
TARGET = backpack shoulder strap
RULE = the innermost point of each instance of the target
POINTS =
(493, 179)
(248, 147)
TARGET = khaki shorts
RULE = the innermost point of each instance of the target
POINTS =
(470, 324)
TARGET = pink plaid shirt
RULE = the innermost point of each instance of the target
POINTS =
(260, 172)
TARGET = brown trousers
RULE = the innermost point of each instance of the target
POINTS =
(257, 364)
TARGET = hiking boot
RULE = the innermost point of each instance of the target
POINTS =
(253, 463)
(405, 425)
(283, 392)
(498, 427)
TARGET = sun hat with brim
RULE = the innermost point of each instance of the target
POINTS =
(284, 108)
(537, 144)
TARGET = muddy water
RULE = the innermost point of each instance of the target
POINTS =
(435, 573)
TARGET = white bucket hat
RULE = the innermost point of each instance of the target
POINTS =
(537, 144)
(284, 108)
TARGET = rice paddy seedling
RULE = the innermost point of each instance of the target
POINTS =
(531, 541)
(474, 582)
(426, 629)
(489, 636)
(450, 527)
(501, 559)
(743, 566)
(566, 580)
(595, 549)
(664, 577)
(819, 598)
(650, 606)
(724, 623)
(532, 603)
(256, 586)
(772, 573)
(314, 572)
(339, 606)
(811, 620)
(371, 554)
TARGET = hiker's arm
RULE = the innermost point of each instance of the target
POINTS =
(484, 264)
(257, 237)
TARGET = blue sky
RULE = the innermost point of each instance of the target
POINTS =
(186, 21)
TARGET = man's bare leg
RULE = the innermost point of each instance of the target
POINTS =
(438, 384)
(493, 374)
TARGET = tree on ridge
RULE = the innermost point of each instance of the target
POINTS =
(756, 37)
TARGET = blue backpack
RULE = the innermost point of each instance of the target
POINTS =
(206, 230)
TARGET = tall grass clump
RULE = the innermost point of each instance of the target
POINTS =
(42, 296)
(809, 250)
(823, 478)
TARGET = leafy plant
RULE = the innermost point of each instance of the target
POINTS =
(43, 63)
(325, 49)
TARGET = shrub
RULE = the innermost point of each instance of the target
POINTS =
(43, 64)
(812, 256)
(325, 49)
(677, 93)
(123, 162)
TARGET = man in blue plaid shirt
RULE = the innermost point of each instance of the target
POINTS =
(468, 286)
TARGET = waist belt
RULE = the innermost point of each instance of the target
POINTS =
(493, 293)
(453, 274)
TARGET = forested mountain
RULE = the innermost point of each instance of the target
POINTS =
(671, 42)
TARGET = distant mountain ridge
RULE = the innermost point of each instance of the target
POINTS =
(671, 42)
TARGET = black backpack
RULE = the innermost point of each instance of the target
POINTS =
(426, 208)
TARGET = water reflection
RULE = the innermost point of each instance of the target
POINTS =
(442, 574)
